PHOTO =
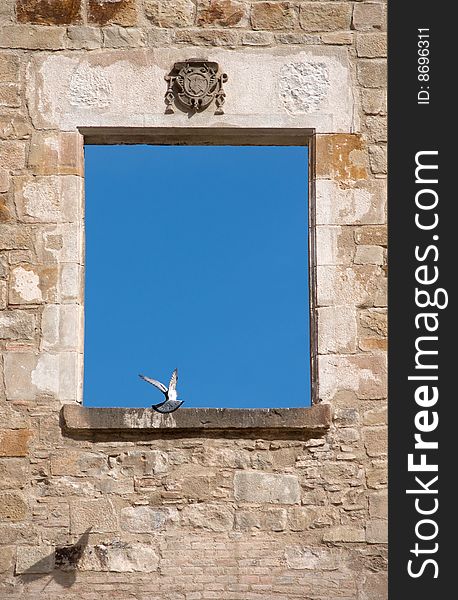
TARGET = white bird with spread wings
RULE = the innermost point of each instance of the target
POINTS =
(171, 401)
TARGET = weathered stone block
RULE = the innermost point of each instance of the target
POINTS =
(210, 517)
(118, 37)
(374, 101)
(266, 487)
(84, 38)
(341, 156)
(221, 13)
(35, 559)
(4, 180)
(355, 204)
(363, 374)
(325, 16)
(337, 331)
(9, 68)
(6, 558)
(13, 507)
(32, 37)
(273, 15)
(62, 327)
(78, 463)
(56, 153)
(24, 285)
(337, 38)
(10, 95)
(14, 442)
(257, 38)
(334, 245)
(378, 504)
(14, 473)
(356, 286)
(119, 557)
(12, 154)
(345, 533)
(376, 416)
(143, 519)
(48, 12)
(371, 45)
(376, 474)
(163, 13)
(372, 235)
(121, 12)
(375, 586)
(378, 159)
(369, 255)
(372, 73)
(376, 127)
(98, 514)
(53, 199)
(314, 559)
(377, 532)
(17, 325)
(368, 16)
(375, 441)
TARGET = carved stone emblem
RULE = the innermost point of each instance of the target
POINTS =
(194, 84)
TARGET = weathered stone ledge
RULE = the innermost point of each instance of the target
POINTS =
(225, 422)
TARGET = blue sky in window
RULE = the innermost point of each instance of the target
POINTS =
(197, 258)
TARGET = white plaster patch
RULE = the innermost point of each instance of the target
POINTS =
(304, 86)
(26, 284)
(89, 86)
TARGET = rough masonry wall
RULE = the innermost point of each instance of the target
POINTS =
(148, 518)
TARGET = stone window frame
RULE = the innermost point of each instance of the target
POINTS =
(314, 420)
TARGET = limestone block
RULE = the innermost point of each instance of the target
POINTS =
(71, 283)
(12, 154)
(14, 237)
(17, 325)
(372, 235)
(378, 159)
(334, 245)
(13, 507)
(163, 13)
(62, 327)
(7, 10)
(342, 157)
(378, 504)
(13, 442)
(345, 533)
(98, 514)
(373, 329)
(48, 12)
(28, 375)
(376, 126)
(115, 36)
(9, 68)
(377, 532)
(253, 486)
(375, 441)
(369, 255)
(4, 180)
(6, 558)
(337, 331)
(35, 559)
(84, 38)
(222, 13)
(325, 16)
(56, 153)
(119, 557)
(374, 101)
(24, 285)
(48, 199)
(32, 37)
(10, 95)
(121, 12)
(371, 45)
(363, 374)
(368, 16)
(355, 286)
(273, 15)
(210, 517)
(61, 243)
(298, 88)
(143, 519)
(372, 73)
(14, 473)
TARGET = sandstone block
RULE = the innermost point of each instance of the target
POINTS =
(207, 37)
(375, 441)
(371, 45)
(325, 16)
(143, 519)
(14, 442)
(13, 507)
(363, 374)
(6, 558)
(376, 126)
(377, 532)
(372, 73)
(273, 15)
(13, 473)
(119, 557)
(4, 180)
(374, 101)
(376, 474)
(372, 235)
(337, 38)
(247, 520)
(378, 159)
(17, 325)
(341, 156)
(266, 487)
(7, 10)
(378, 504)
(81, 37)
(345, 533)
(97, 514)
(368, 16)
(337, 330)
(163, 13)
(12, 154)
(48, 12)
(334, 245)
(376, 416)
(221, 13)
(257, 38)
(77, 463)
(10, 95)
(369, 255)
(33, 37)
(56, 153)
(118, 37)
(314, 559)
(35, 559)
(120, 12)
(375, 586)
(210, 517)
(9, 68)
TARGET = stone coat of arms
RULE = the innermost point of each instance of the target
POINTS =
(194, 84)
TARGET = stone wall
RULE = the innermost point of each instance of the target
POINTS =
(241, 515)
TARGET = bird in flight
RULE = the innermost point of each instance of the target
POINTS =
(171, 401)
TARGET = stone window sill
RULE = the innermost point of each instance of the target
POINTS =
(298, 423)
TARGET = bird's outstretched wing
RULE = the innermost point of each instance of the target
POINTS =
(168, 406)
(173, 381)
(157, 384)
